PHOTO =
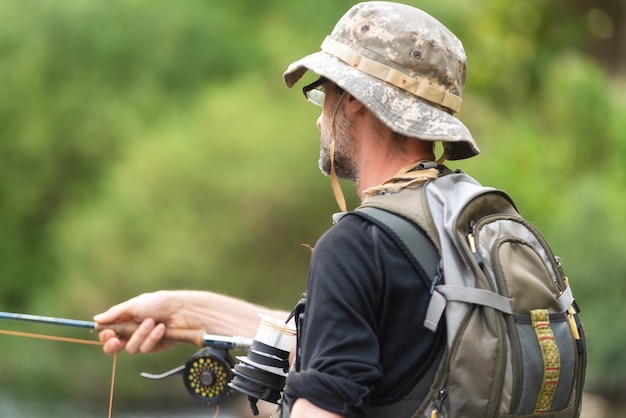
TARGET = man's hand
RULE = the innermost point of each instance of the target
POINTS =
(153, 311)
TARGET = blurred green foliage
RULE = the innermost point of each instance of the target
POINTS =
(148, 144)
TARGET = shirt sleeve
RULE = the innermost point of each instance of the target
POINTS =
(340, 352)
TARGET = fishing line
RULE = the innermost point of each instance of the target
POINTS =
(49, 337)
(112, 384)
(74, 341)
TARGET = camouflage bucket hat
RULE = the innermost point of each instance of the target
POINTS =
(403, 65)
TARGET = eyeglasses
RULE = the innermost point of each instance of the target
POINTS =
(314, 92)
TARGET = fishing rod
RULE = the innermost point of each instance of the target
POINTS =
(197, 337)
(210, 375)
(206, 374)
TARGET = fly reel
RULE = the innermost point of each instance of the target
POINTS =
(205, 375)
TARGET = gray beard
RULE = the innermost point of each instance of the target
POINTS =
(324, 163)
(344, 167)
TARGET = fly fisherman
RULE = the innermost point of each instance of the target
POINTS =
(390, 79)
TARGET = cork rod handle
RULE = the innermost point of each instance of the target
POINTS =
(180, 335)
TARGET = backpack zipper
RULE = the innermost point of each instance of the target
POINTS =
(472, 243)
(438, 403)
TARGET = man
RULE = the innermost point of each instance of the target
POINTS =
(391, 78)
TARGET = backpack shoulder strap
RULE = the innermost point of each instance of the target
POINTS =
(408, 236)
(423, 253)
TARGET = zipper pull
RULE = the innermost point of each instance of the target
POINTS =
(438, 403)
(571, 311)
(472, 243)
(438, 277)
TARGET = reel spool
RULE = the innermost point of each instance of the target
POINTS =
(205, 375)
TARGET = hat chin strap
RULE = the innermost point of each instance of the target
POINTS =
(443, 158)
(334, 180)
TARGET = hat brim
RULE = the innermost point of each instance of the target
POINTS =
(399, 110)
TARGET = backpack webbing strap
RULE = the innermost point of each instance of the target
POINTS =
(483, 297)
(419, 245)
(445, 293)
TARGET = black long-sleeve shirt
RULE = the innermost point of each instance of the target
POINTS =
(364, 342)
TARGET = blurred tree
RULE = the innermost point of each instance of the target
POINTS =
(75, 86)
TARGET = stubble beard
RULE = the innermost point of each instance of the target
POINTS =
(344, 158)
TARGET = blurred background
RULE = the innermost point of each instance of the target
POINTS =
(151, 144)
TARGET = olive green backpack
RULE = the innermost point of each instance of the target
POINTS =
(515, 344)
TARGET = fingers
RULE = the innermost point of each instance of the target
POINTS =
(146, 338)
(153, 341)
(112, 344)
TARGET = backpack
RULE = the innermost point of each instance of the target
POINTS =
(515, 345)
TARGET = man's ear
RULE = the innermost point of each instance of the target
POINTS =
(353, 104)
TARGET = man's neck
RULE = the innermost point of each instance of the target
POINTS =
(380, 154)
(377, 166)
